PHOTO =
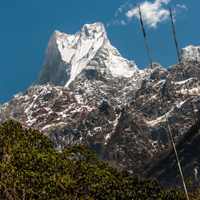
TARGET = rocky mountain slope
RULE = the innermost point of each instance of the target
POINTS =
(165, 167)
(88, 93)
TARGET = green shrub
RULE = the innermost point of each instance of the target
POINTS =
(30, 168)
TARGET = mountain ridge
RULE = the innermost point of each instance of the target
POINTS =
(120, 117)
(68, 55)
(190, 53)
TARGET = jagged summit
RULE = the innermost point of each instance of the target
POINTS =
(120, 118)
(93, 30)
(190, 53)
(88, 49)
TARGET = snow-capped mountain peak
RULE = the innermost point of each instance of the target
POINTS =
(190, 53)
(68, 55)
(118, 113)
(94, 30)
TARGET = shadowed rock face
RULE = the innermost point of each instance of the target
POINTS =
(120, 116)
(107, 110)
(165, 166)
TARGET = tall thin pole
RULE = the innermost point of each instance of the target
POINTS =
(163, 107)
(183, 72)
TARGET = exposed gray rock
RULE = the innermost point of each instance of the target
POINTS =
(119, 116)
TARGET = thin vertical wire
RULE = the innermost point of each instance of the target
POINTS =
(183, 73)
(163, 107)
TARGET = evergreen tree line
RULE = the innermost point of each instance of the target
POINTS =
(30, 168)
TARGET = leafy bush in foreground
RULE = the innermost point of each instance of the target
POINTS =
(30, 168)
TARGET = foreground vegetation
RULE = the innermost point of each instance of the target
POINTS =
(30, 168)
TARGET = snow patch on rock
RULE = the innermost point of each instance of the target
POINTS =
(190, 53)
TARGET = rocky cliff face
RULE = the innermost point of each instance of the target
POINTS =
(165, 167)
(87, 93)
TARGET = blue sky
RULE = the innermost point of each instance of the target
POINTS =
(27, 25)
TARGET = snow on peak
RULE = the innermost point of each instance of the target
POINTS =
(94, 30)
(67, 56)
(190, 53)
